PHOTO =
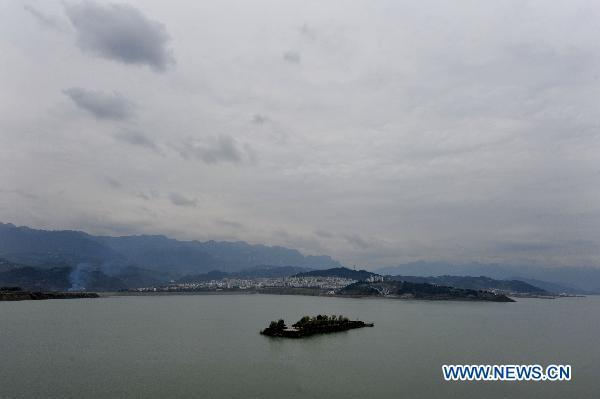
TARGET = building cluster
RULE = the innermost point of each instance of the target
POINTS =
(324, 283)
(375, 278)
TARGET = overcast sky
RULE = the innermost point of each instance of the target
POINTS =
(378, 132)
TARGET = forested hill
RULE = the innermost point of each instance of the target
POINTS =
(476, 283)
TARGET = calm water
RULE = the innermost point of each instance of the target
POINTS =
(209, 347)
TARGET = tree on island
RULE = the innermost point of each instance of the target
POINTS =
(320, 320)
(277, 325)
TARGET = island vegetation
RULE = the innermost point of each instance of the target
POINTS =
(307, 326)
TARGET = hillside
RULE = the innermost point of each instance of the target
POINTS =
(477, 283)
(60, 278)
(407, 290)
(571, 279)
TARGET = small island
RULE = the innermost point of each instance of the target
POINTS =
(307, 326)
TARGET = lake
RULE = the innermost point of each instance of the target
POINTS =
(208, 346)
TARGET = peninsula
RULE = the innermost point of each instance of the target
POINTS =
(408, 290)
(307, 326)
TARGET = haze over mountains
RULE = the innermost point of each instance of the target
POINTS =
(554, 279)
(158, 253)
(74, 258)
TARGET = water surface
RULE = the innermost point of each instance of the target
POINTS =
(208, 346)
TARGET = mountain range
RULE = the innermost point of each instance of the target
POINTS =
(66, 259)
(43, 248)
(145, 260)
(571, 279)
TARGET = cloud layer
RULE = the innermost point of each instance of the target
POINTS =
(120, 32)
(377, 132)
(136, 138)
(214, 149)
(100, 104)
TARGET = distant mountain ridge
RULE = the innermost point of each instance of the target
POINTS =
(572, 279)
(40, 247)
(157, 253)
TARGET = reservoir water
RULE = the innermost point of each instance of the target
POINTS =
(208, 346)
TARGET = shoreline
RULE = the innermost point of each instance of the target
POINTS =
(28, 295)
(321, 294)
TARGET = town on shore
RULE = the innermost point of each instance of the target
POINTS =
(341, 282)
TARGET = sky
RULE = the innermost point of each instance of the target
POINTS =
(377, 132)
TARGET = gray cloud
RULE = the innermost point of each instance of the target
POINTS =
(114, 183)
(292, 57)
(180, 200)
(21, 193)
(323, 233)
(221, 148)
(307, 32)
(356, 241)
(259, 119)
(136, 138)
(45, 20)
(229, 224)
(101, 105)
(148, 195)
(122, 33)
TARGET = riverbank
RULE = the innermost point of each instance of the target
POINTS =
(19, 295)
(472, 296)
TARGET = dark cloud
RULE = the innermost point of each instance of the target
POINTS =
(122, 33)
(356, 241)
(148, 195)
(101, 105)
(21, 193)
(323, 233)
(229, 224)
(44, 20)
(259, 119)
(307, 32)
(114, 183)
(180, 200)
(292, 57)
(136, 138)
(143, 196)
(217, 149)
